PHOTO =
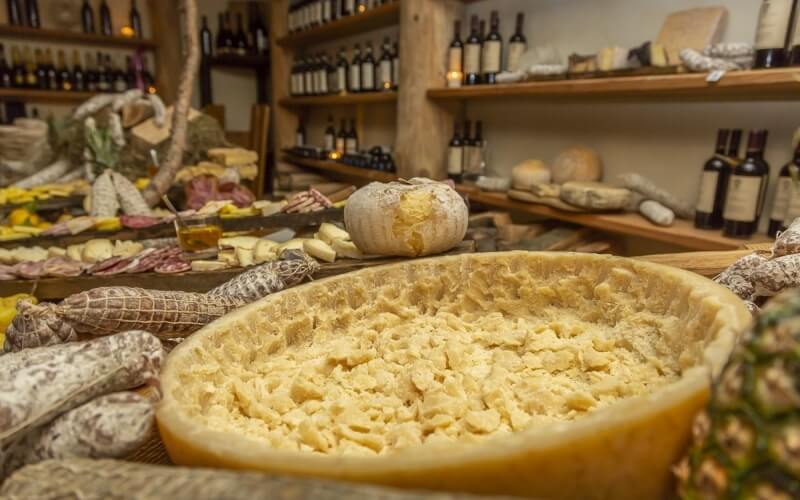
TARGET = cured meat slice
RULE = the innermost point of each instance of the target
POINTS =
(118, 268)
(62, 267)
(30, 270)
(102, 266)
(139, 221)
(174, 265)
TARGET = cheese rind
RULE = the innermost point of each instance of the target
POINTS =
(595, 195)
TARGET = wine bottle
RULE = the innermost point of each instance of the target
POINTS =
(395, 66)
(15, 15)
(793, 205)
(103, 78)
(52, 73)
(368, 70)
(783, 193)
(64, 75)
(492, 51)
(300, 135)
(205, 39)
(351, 143)
(355, 71)
(147, 77)
(455, 156)
(794, 52)
(106, 27)
(31, 76)
(41, 70)
(773, 34)
(341, 139)
(229, 37)
(517, 45)
(455, 54)
(78, 75)
(746, 190)
(327, 11)
(713, 185)
(310, 76)
(467, 148)
(241, 37)
(348, 8)
(32, 11)
(472, 55)
(292, 19)
(18, 68)
(120, 83)
(87, 17)
(89, 74)
(260, 39)
(330, 135)
(473, 168)
(385, 66)
(221, 49)
(324, 64)
(735, 144)
(341, 72)
(6, 74)
(136, 20)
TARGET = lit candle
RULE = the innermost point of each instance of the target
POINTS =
(454, 79)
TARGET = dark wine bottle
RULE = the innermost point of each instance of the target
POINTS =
(354, 83)
(746, 189)
(15, 15)
(259, 30)
(31, 73)
(300, 135)
(130, 73)
(221, 49)
(91, 74)
(205, 39)
(492, 51)
(229, 37)
(472, 155)
(385, 66)
(786, 206)
(241, 36)
(41, 70)
(52, 73)
(735, 144)
(87, 17)
(517, 45)
(472, 55)
(348, 8)
(773, 34)
(18, 68)
(78, 75)
(119, 82)
(713, 185)
(342, 67)
(64, 75)
(330, 135)
(794, 52)
(368, 70)
(341, 138)
(6, 74)
(322, 75)
(147, 77)
(106, 28)
(351, 145)
(103, 77)
(32, 12)
(455, 54)
(455, 156)
(136, 20)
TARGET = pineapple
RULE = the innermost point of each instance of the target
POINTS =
(747, 443)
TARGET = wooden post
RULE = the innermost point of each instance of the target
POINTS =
(424, 127)
(284, 121)
(166, 32)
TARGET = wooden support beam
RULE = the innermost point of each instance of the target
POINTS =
(166, 31)
(284, 120)
(424, 127)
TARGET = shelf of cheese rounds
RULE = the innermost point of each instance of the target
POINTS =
(570, 190)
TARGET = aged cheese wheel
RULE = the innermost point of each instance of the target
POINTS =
(577, 164)
(595, 195)
(419, 217)
(537, 375)
(529, 173)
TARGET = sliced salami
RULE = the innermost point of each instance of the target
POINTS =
(30, 270)
(139, 221)
(173, 265)
(102, 266)
(118, 268)
(62, 267)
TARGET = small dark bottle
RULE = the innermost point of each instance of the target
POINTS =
(136, 20)
(472, 55)
(517, 45)
(241, 37)
(90, 74)
(64, 75)
(330, 135)
(713, 186)
(230, 37)
(368, 70)
(52, 73)
(17, 68)
(354, 82)
(205, 39)
(6, 76)
(300, 135)
(87, 17)
(106, 28)
(351, 144)
(120, 82)
(348, 8)
(103, 76)
(41, 70)
(455, 156)
(455, 54)
(78, 76)
(385, 67)
(785, 207)
(130, 73)
(260, 38)
(15, 15)
(746, 189)
(341, 138)
(492, 51)
(32, 11)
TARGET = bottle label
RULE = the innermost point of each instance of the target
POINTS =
(472, 59)
(491, 56)
(515, 51)
(773, 22)
(351, 145)
(350, 6)
(744, 194)
(330, 142)
(781, 202)
(340, 145)
(455, 160)
(454, 60)
(708, 192)
(793, 206)
(472, 160)
(355, 78)
(368, 76)
(323, 82)
(299, 140)
(386, 74)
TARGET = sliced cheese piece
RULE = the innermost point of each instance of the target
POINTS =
(595, 195)
(75, 252)
(293, 244)
(265, 251)
(658, 56)
(347, 249)
(56, 252)
(329, 232)
(612, 58)
(97, 250)
(6, 256)
(244, 256)
(29, 254)
(228, 257)
(126, 249)
(208, 265)
(320, 250)
(245, 242)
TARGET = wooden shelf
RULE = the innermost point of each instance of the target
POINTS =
(379, 17)
(341, 169)
(340, 100)
(776, 84)
(56, 96)
(66, 36)
(249, 61)
(682, 233)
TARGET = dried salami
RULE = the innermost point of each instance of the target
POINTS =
(139, 221)
(36, 326)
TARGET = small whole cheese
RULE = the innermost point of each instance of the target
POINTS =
(577, 164)
(530, 173)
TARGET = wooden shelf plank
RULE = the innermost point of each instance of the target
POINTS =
(682, 233)
(340, 100)
(379, 17)
(340, 169)
(55, 96)
(775, 84)
(250, 61)
(66, 36)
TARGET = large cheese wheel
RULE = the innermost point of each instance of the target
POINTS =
(419, 217)
(577, 164)
(529, 173)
